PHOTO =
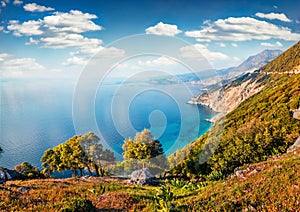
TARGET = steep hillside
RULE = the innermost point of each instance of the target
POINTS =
(273, 185)
(289, 61)
(226, 98)
(261, 126)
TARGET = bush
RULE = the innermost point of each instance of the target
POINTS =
(28, 171)
(76, 205)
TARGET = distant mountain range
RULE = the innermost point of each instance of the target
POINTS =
(251, 63)
(258, 118)
(211, 77)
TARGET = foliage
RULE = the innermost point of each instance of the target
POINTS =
(260, 127)
(77, 153)
(143, 148)
(28, 171)
(274, 187)
(76, 205)
(287, 61)
(164, 198)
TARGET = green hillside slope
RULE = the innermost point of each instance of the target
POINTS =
(260, 127)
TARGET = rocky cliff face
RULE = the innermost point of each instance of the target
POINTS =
(227, 98)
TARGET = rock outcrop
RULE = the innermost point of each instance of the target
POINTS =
(294, 146)
(142, 177)
(229, 97)
(7, 174)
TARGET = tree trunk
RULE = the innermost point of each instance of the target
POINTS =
(97, 170)
(74, 172)
(89, 169)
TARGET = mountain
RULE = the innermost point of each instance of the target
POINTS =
(257, 61)
(260, 126)
(252, 63)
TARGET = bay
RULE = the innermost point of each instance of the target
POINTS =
(37, 115)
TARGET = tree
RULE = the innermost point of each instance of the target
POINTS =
(142, 148)
(28, 171)
(77, 153)
(98, 156)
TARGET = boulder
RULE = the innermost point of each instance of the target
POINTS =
(142, 177)
(294, 146)
(8, 174)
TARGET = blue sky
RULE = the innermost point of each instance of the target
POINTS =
(57, 38)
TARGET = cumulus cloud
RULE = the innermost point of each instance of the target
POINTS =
(20, 67)
(163, 29)
(65, 40)
(3, 56)
(83, 55)
(160, 61)
(277, 44)
(27, 28)
(201, 51)
(272, 16)
(17, 2)
(32, 42)
(76, 61)
(223, 45)
(234, 45)
(242, 29)
(33, 7)
(74, 22)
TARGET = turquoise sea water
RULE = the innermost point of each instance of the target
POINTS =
(37, 115)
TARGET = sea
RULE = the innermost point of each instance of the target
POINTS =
(39, 114)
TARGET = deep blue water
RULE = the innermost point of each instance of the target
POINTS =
(37, 115)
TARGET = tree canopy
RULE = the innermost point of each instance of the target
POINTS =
(76, 154)
(145, 149)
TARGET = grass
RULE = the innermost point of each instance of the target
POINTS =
(275, 186)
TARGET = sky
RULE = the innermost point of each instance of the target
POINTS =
(58, 38)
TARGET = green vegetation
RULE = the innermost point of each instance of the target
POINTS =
(143, 150)
(246, 168)
(28, 171)
(286, 62)
(77, 153)
(273, 187)
(260, 127)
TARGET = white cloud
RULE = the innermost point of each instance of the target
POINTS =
(76, 61)
(272, 16)
(242, 29)
(64, 40)
(277, 44)
(3, 4)
(3, 56)
(18, 2)
(223, 45)
(27, 28)
(84, 54)
(73, 22)
(32, 42)
(201, 51)
(234, 45)
(33, 7)
(163, 29)
(110, 52)
(20, 67)
(161, 61)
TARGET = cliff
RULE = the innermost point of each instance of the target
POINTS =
(227, 98)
